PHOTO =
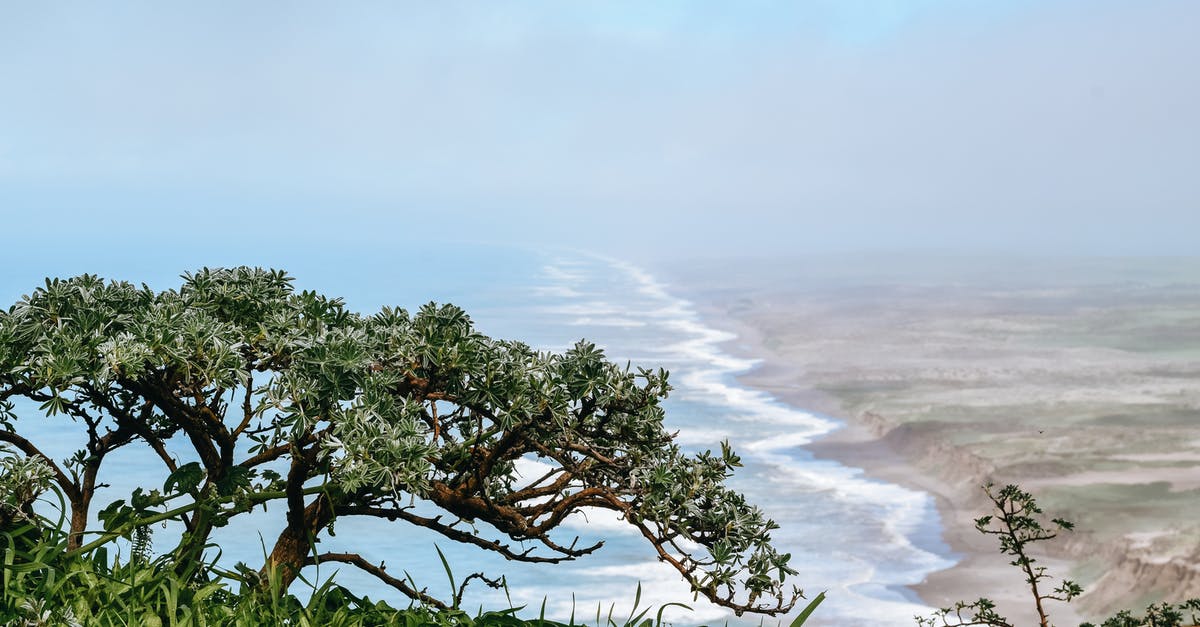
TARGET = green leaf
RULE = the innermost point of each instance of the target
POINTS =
(236, 478)
(186, 478)
(115, 515)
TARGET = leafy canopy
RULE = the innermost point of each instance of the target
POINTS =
(287, 397)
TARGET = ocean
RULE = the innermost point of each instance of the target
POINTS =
(859, 540)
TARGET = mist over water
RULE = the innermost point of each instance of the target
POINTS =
(860, 540)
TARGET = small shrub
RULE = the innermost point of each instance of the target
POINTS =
(1018, 522)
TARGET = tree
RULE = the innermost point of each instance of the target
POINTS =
(289, 398)
(1017, 522)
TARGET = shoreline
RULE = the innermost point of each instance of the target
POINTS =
(978, 568)
(1077, 379)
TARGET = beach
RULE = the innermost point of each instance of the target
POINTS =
(1076, 379)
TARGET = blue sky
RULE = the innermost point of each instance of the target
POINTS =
(635, 128)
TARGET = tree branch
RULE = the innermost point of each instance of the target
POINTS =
(455, 534)
(247, 408)
(25, 446)
(195, 428)
(378, 571)
(275, 452)
(707, 591)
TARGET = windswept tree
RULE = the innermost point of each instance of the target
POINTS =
(289, 399)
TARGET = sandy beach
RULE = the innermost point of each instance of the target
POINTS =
(1076, 379)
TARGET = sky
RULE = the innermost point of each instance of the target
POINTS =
(639, 129)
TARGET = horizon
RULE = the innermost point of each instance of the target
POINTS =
(676, 129)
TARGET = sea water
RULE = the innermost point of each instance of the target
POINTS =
(859, 540)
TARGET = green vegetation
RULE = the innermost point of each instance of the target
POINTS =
(1017, 521)
(253, 394)
(44, 585)
(1017, 524)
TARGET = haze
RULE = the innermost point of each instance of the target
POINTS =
(638, 128)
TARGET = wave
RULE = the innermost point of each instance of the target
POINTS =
(864, 584)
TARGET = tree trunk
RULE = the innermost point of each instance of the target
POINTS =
(295, 542)
(79, 522)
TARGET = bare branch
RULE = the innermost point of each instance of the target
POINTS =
(455, 534)
(379, 573)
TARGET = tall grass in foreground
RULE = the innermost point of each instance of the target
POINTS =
(43, 585)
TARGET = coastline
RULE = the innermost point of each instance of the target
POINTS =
(1078, 380)
(979, 569)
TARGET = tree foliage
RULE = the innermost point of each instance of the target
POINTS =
(285, 397)
(1017, 523)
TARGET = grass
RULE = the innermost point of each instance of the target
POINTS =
(41, 585)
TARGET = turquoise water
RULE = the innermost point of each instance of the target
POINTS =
(861, 540)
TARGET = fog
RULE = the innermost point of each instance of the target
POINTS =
(639, 129)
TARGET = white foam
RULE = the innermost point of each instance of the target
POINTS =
(530, 469)
(592, 307)
(614, 587)
(601, 520)
(646, 284)
(767, 433)
(688, 436)
(602, 308)
(606, 322)
(557, 272)
(556, 291)
(781, 442)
